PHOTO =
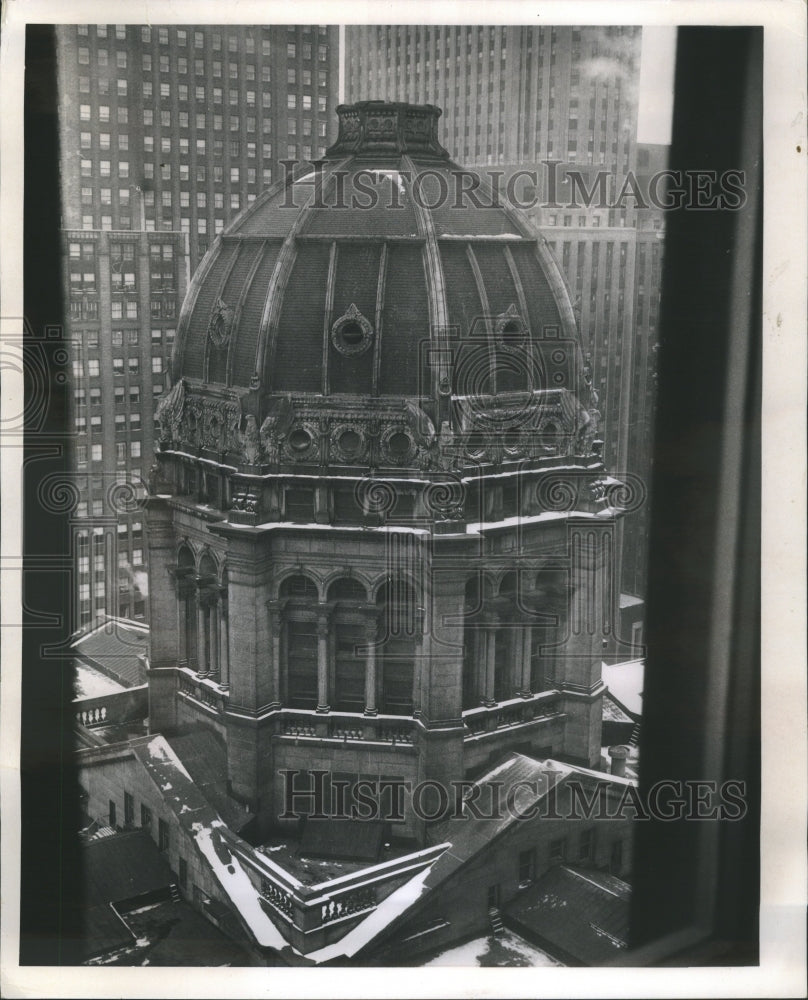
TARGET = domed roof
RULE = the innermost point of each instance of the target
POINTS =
(383, 276)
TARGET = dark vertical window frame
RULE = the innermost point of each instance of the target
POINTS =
(701, 700)
(50, 863)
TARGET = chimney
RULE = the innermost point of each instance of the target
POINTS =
(618, 755)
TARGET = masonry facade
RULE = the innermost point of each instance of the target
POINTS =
(381, 536)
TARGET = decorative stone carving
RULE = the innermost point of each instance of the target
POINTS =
(445, 454)
(349, 441)
(221, 322)
(398, 444)
(251, 441)
(302, 443)
(169, 411)
(422, 427)
(351, 333)
(510, 328)
(381, 127)
(274, 428)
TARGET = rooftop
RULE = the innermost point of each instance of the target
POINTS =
(577, 913)
(115, 648)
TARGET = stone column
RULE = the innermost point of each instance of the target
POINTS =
(213, 618)
(201, 636)
(224, 645)
(275, 609)
(525, 645)
(492, 623)
(322, 661)
(370, 665)
(182, 620)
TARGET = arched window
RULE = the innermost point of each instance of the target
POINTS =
(508, 627)
(399, 633)
(186, 605)
(551, 602)
(349, 632)
(475, 637)
(301, 641)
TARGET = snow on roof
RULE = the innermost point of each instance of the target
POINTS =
(236, 883)
(91, 683)
(159, 749)
(625, 684)
(384, 914)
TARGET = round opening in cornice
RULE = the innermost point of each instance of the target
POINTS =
(300, 440)
(399, 444)
(350, 443)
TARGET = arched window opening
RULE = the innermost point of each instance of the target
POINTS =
(349, 630)
(186, 606)
(400, 626)
(301, 641)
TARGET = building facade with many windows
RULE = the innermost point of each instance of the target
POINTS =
(530, 105)
(167, 132)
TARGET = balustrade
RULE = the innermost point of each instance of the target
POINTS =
(363, 898)
(278, 897)
(92, 716)
(490, 719)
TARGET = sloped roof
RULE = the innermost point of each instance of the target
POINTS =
(114, 647)
(579, 913)
(117, 868)
(469, 837)
(205, 759)
(122, 867)
(522, 781)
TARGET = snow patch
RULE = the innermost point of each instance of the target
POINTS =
(91, 683)
(236, 883)
(387, 911)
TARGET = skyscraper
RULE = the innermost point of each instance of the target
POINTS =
(522, 101)
(167, 132)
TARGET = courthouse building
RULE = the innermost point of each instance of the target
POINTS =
(381, 537)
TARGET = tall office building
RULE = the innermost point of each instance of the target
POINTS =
(532, 104)
(167, 132)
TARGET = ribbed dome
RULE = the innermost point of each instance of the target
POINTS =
(381, 278)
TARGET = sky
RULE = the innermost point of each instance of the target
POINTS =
(656, 84)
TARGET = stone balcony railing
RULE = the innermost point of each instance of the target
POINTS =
(347, 727)
(113, 708)
(514, 712)
(206, 691)
(313, 915)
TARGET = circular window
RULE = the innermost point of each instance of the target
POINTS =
(351, 333)
(510, 328)
(300, 440)
(399, 444)
(511, 332)
(350, 443)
